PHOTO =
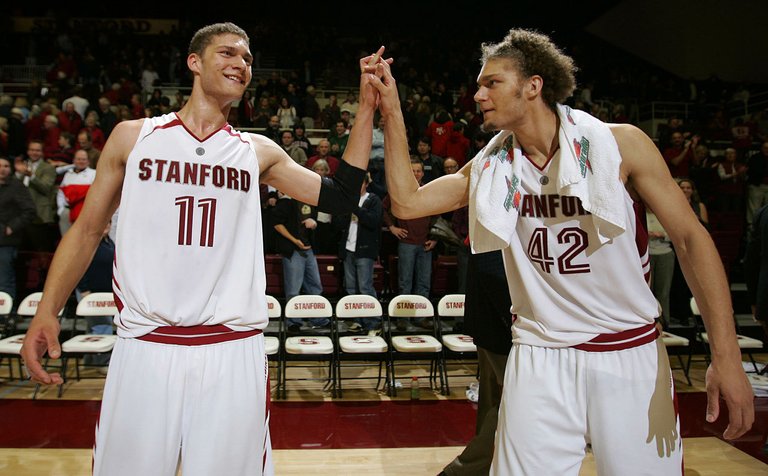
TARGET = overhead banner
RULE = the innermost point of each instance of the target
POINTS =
(137, 26)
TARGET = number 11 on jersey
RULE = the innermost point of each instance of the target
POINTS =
(207, 208)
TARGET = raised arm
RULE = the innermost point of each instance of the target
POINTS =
(644, 170)
(446, 193)
(301, 183)
(76, 250)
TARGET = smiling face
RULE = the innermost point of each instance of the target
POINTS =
(224, 68)
(500, 94)
(80, 160)
(687, 188)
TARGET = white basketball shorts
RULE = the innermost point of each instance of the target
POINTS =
(191, 396)
(616, 395)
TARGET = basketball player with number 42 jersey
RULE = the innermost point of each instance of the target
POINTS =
(188, 380)
(557, 191)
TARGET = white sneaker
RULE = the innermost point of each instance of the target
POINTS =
(354, 327)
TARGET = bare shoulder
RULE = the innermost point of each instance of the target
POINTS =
(265, 148)
(127, 129)
(638, 151)
(125, 134)
(628, 135)
(261, 141)
(122, 139)
(269, 154)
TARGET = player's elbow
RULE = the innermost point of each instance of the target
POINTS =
(404, 212)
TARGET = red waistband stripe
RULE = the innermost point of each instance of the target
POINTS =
(621, 340)
(196, 335)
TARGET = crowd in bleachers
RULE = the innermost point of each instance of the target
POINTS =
(98, 78)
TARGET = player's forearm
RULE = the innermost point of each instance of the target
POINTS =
(360, 137)
(706, 278)
(401, 184)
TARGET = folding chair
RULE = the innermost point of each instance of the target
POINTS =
(6, 328)
(308, 347)
(678, 345)
(273, 338)
(10, 347)
(80, 345)
(371, 348)
(416, 347)
(455, 346)
(747, 345)
(6, 305)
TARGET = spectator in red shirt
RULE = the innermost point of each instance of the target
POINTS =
(679, 156)
(51, 133)
(458, 144)
(69, 119)
(92, 126)
(323, 151)
(439, 132)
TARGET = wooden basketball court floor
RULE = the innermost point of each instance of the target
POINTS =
(435, 428)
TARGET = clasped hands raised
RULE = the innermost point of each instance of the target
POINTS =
(377, 85)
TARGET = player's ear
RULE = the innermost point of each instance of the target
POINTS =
(534, 85)
(193, 62)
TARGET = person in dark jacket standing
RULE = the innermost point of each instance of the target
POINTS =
(359, 249)
(17, 210)
(489, 322)
(756, 268)
(757, 183)
(295, 223)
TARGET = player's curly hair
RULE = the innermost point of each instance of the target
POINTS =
(535, 54)
(203, 37)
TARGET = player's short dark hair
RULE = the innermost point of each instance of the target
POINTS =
(203, 37)
(535, 54)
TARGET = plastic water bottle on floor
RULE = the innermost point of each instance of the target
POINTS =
(473, 392)
(415, 391)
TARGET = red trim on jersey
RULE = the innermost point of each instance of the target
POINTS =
(549, 159)
(641, 229)
(196, 335)
(178, 122)
(118, 303)
(621, 340)
(228, 129)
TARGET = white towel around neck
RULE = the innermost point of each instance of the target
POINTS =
(588, 170)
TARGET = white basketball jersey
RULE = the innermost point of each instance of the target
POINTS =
(189, 245)
(565, 287)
